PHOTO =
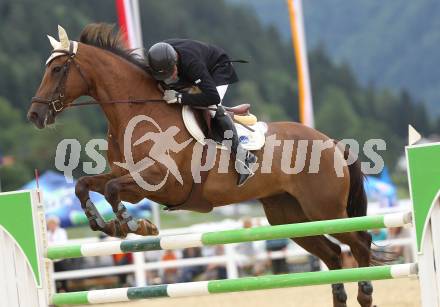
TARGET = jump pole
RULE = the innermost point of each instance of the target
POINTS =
(230, 236)
(235, 285)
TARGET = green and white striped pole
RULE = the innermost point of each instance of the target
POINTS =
(230, 236)
(235, 285)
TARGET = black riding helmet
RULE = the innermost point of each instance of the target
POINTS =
(161, 59)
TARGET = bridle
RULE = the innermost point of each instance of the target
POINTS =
(56, 101)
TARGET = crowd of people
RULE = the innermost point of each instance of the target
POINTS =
(252, 258)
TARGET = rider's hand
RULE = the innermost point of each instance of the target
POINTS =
(171, 96)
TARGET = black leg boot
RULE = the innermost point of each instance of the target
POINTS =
(243, 158)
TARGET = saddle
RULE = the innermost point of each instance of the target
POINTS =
(240, 114)
(241, 109)
(199, 125)
(251, 133)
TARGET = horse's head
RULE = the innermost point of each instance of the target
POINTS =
(62, 83)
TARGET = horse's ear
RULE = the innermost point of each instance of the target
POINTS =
(64, 40)
(55, 44)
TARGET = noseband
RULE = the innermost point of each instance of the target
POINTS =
(56, 102)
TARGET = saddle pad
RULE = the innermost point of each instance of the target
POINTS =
(248, 139)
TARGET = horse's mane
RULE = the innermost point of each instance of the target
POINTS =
(105, 36)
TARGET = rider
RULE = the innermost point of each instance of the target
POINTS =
(179, 64)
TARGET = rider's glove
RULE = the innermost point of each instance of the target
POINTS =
(171, 96)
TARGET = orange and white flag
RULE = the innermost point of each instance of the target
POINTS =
(299, 45)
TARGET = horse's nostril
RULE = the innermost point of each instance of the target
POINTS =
(32, 116)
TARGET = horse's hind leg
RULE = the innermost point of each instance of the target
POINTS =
(329, 204)
(359, 243)
(285, 209)
(330, 254)
(360, 246)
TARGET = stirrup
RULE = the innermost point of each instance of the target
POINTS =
(243, 178)
(243, 167)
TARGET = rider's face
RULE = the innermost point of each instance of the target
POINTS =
(174, 75)
(173, 78)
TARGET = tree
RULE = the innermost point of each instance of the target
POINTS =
(336, 117)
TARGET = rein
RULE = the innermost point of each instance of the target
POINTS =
(95, 102)
(56, 102)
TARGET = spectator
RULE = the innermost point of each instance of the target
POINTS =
(169, 274)
(153, 276)
(216, 271)
(279, 266)
(402, 252)
(247, 249)
(189, 273)
(252, 266)
(57, 235)
(379, 234)
(123, 259)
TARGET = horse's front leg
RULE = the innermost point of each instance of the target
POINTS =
(124, 222)
(83, 187)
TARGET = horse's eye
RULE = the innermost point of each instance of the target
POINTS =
(56, 69)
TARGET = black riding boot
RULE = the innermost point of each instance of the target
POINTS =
(243, 158)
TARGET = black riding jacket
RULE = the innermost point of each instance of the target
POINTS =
(202, 65)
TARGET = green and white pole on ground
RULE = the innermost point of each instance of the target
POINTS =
(234, 285)
(230, 236)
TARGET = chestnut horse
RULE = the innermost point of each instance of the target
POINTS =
(98, 66)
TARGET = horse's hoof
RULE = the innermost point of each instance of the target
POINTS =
(339, 294)
(337, 303)
(365, 300)
(94, 225)
(114, 229)
(365, 292)
(366, 287)
(146, 228)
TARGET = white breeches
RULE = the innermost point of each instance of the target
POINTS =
(221, 89)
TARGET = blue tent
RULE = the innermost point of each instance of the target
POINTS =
(60, 200)
(381, 189)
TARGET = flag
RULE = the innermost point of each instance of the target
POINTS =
(130, 24)
(300, 49)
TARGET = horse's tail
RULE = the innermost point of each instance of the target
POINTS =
(357, 206)
(357, 198)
